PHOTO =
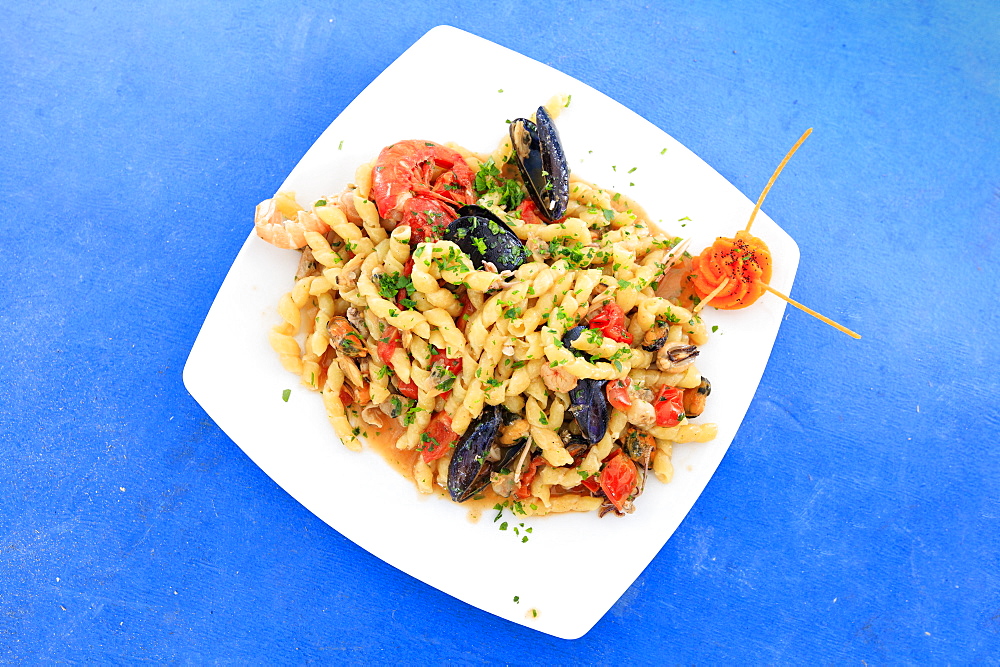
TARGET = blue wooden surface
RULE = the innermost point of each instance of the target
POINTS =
(855, 517)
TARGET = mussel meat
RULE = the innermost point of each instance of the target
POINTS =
(676, 357)
(345, 337)
(656, 337)
(695, 398)
(485, 238)
(589, 406)
(637, 444)
(542, 162)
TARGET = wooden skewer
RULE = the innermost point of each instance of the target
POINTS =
(812, 312)
(774, 177)
(711, 295)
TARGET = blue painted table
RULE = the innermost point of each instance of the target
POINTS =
(855, 516)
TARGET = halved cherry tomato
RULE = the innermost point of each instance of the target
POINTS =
(439, 438)
(527, 475)
(618, 479)
(617, 391)
(388, 343)
(669, 406)
(408, 389)
(610, 320)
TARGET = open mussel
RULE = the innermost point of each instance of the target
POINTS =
(542, 162)
(469, 471)
(485, 238)
(479, 453)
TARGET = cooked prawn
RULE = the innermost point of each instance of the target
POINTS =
(283, 223)
(417, 183)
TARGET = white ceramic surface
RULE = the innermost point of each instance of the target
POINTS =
(236, 377)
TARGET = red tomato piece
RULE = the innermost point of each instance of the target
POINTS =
(453, 365)
(592, 484)
(617, 391)
(439, 437)
(618, 479)
(388, 343)
(408, 389)
(610, 320)
(529, 212)
(527, 476)
(669, 406)
(345, 396)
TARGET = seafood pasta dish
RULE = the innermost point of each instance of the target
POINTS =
(516, 331)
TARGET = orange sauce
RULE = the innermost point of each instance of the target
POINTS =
(383, 442)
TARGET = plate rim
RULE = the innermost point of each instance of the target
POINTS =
(193, 381)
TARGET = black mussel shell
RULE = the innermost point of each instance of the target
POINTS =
(589, 405)
(542, 162)
(485, 238)
(469, 471)
(572, 335)
(508, 457)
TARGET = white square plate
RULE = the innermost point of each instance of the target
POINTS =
(235, 375)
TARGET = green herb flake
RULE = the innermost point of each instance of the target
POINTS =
(285, 394)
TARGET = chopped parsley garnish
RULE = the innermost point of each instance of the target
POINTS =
(507, 193)
(285, 394)
(389, 285)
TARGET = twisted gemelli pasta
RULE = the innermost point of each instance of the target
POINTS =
(413, 341)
